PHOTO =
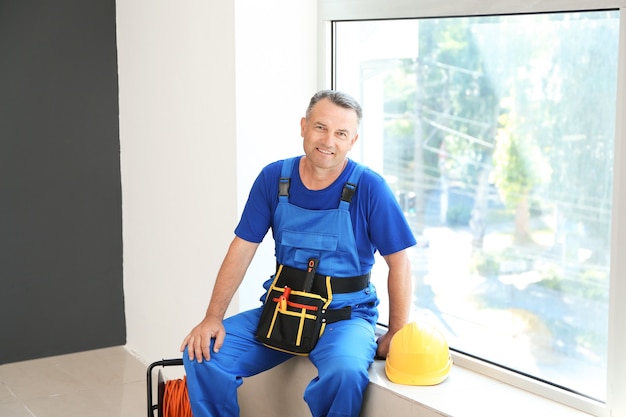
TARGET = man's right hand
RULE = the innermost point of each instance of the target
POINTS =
(198, 341)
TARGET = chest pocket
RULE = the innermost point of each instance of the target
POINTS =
(314, 241)
(306, 245)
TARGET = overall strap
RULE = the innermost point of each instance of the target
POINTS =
(285, 178)
(350, 187)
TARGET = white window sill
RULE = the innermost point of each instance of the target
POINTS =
(464, 393)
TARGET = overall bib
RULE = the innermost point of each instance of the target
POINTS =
(346, 349)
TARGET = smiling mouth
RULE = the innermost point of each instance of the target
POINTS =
(325, 152)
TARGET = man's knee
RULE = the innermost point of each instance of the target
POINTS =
(346, 371)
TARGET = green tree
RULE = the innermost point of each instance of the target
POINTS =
(519, 166)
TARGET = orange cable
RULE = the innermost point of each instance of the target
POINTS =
(176, 399)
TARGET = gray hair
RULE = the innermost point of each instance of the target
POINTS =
(339, 98)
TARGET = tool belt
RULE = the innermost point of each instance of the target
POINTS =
(296, 311)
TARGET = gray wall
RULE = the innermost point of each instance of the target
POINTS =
(61, 287)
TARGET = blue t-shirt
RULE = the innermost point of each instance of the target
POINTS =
(378, 222)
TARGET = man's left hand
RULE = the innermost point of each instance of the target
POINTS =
(383, 345)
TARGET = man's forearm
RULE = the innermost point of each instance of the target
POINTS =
(400, 289)
(230, 276)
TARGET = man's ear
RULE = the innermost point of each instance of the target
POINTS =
(354, 139)
(302, 126)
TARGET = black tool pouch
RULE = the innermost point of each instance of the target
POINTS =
(293, 318)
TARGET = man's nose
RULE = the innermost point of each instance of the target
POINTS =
(327, 137)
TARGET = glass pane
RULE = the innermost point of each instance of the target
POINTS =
(497, 135)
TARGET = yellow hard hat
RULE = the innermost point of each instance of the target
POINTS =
(418, 355)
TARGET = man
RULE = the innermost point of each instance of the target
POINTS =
(309, 219)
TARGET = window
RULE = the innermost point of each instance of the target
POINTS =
(497, 134)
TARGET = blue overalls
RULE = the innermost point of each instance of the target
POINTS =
(344, 352)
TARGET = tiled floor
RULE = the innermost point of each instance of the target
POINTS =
(107, 382)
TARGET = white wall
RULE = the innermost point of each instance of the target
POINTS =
(209, 93)
(276, 73)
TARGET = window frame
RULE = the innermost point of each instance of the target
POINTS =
(330, 11)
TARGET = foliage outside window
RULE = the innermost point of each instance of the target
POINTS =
(497, 135)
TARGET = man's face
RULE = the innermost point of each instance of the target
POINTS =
(329, 133)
